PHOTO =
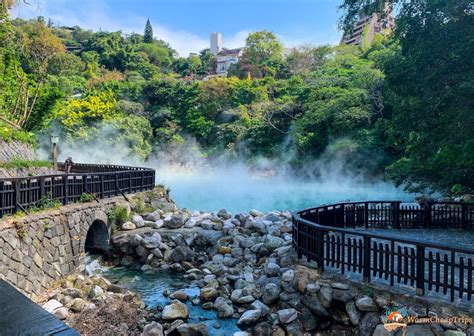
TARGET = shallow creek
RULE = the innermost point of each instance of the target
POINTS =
(151, 287)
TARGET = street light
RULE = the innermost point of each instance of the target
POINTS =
(54, 141)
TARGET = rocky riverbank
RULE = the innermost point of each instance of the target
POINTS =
(245, 268)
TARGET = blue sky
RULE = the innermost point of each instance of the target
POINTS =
(186, 24)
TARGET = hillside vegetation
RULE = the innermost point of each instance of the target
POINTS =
(400, 108)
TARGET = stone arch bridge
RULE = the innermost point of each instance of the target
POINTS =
(38, 249)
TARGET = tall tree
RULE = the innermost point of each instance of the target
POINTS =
(148, 35)
(263, 54)
(430, 74)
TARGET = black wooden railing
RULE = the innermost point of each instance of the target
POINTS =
(328, 235)
(101, 181)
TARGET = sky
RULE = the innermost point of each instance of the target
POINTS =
(187, 24)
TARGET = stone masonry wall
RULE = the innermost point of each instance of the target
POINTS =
(39, 249)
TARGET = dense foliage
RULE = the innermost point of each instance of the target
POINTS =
(400, 107)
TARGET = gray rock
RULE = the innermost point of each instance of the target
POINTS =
(272, 269)
(256, 213)
(368, 323)
(366, 303)
(272, 217)
(272, 243)
(353, 313)
(288, 275)
(343, 295)
(224, 307)
(224, 214)
(270, 293)
(154, 216)
(294, 329)
(153, 329)
(249, 318)
(308, 320)
(152, 242)
(340, 285)
(287, 315)
(182, 253)
(418, 330)
(454, 333)
(313, 288)
(208, 294)
(175, 310)
(380, 330)
(325, 296)
(313, 304)
(137, 219)
(175, 221)
(197, 329)
(257, 304)
(179, 295)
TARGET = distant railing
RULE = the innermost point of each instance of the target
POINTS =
(101, 181)
(327, 235)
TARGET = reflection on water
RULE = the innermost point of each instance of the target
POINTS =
(151, 287)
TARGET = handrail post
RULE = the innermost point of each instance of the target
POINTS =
(41, 188)
(464, 217)
(428, 216)
(102, 186)
(298, 239)
(66, 189)
(116, 185)
(366, 215)
(320, 250)
(84, 184)
(367, 260)
(420, 270)
(396, 214)
(17, 194)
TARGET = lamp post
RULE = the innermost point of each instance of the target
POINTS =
(54, 141)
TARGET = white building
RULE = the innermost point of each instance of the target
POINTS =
(227, 57)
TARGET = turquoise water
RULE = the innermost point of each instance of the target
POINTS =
(238, 191)
(151, 286)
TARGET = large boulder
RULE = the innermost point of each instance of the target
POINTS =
(176, 221)
(208, 294)
(175, 310)
(224, 307)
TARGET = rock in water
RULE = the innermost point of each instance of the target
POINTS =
(175, 310)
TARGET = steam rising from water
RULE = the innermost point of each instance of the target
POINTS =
(197, 184)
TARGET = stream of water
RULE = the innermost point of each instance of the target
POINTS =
(151, 287)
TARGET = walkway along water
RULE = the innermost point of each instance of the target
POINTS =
(331, 235)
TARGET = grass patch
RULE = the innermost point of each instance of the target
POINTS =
(85, 198)
(19, 163)
(10, 134)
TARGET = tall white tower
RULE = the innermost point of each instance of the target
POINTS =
(216, 43)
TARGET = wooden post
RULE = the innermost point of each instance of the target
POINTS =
(66, 189)
(464, 217)
(116, 185)
(428, 216)
(298, 240)
(320, 250)
(420, 270)
(17, 194)
(366, 215)
(366, 271)
(396, 215)
(102, 186)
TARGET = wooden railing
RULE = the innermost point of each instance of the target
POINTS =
(101, 181)
(328, 235)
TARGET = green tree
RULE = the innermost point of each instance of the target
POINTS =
(262, 55)
(148, 34)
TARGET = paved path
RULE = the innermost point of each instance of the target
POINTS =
(21, 316)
